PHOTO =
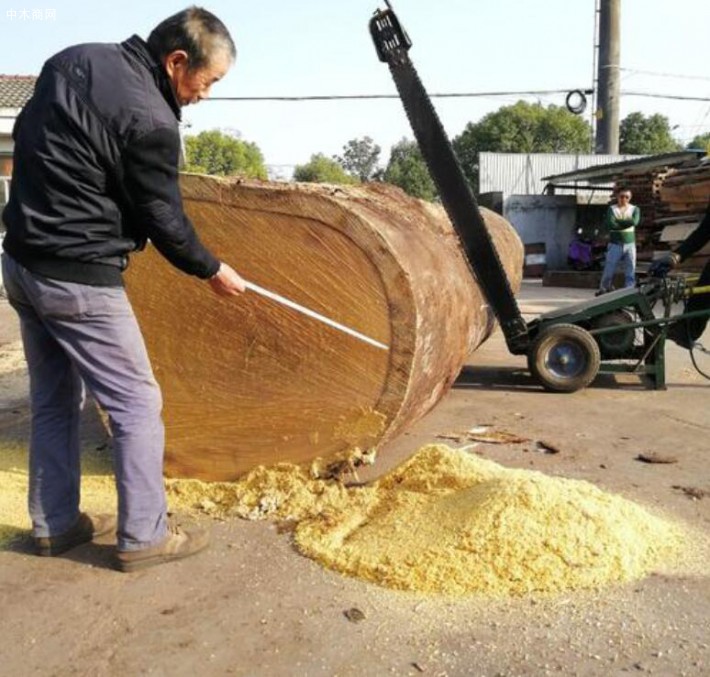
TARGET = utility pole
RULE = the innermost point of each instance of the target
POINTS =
(608, 77)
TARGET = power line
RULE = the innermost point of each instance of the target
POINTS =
(445, 95)
(350, 97)
(690, 126)
(665, 75)
(675, 97)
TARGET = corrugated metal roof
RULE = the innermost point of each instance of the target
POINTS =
(15, 90)
(524, 173)
(610, 171)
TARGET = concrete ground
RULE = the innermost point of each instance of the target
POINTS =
(252, 606)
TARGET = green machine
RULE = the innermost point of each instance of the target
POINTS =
(624, 331)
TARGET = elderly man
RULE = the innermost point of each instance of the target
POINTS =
(95, 177)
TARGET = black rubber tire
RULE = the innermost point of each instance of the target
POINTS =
(564, 358)
(619, 343)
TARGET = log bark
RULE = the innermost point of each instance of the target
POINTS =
(246, 381)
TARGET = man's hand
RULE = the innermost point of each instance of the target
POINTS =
(226, 281)
(661, 267)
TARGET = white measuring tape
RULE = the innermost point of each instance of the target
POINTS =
(311, 313)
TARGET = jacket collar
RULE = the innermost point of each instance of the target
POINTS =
(138, 48)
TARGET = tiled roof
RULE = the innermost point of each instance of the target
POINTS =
(15, 90)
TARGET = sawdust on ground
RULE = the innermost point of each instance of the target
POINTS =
(98, 492)
(446, 522)
(13, 374)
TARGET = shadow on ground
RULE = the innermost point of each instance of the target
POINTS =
(517, 379)
(98, 554)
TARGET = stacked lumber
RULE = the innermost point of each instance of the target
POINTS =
(247, 381)
(672, 201)
(685, 194)
(686, 189)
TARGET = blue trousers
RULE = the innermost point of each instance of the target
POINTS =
(75, 334)
(615, 254)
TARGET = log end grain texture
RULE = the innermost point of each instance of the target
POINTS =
(247, 381)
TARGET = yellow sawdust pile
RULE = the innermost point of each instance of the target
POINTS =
(448, 522)
(443, 522)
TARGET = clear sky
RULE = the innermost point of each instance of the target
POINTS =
(314, 47)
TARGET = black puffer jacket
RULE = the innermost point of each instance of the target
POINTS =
(96, 168)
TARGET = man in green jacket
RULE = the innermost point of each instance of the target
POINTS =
(621, 221)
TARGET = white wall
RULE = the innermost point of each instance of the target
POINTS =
(544, 218)
(7, 119)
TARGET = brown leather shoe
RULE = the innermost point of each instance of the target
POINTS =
(85, 529)
(181, 542)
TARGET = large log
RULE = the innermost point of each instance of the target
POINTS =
(247, 381)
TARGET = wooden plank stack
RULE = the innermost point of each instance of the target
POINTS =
(672, 200)
(685, 194)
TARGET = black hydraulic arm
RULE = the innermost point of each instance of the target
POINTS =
(392, 45)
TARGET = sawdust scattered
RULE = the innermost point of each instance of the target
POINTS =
(283, 491)
(98, 492)
(445, 522)
(13, 373)
(13, 495)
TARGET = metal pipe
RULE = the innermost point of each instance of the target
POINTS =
(649, 323)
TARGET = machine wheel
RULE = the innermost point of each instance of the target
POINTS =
(619, 343)
(564, 358)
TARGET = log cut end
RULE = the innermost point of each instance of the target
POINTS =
(248, 381)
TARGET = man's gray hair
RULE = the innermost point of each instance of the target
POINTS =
(196, 31)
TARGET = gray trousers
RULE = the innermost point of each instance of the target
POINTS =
(76, 334)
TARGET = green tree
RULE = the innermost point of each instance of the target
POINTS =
(406, 169)
(641, 135)
(321, 169)
(701, 142)
(360, 158)
(214, 152)
(521, 128)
